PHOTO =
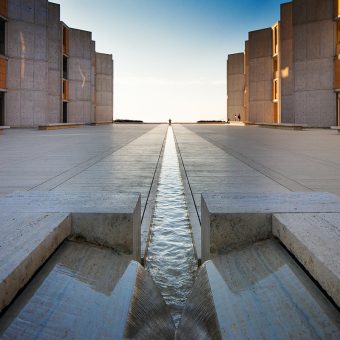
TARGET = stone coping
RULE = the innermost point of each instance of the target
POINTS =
(34, 224)
(280, 125)
(81, 202)
(2, 128)
(283, 126)
(227, 203)
(102, 123)
(336, 128)
(308, 224)
(58, 126)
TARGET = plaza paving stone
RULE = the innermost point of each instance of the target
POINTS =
(124, 158)
(251, 159)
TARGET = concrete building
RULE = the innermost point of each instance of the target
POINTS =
(286, 74)
(294, 76)
(314, 51)
(260, 76)
(47, 70)
(236, 83)
(246, 81)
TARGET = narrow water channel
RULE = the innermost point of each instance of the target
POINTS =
(170, 257)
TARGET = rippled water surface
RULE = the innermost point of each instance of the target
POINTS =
(170, 258)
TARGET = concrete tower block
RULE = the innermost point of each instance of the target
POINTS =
(261, 108)
(80, 75)
(27, 53)
(104, 88)
(235, 85)
(314, 50)
(287, 64)
(54, 64)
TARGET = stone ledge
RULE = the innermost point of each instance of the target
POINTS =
(257, 292)
(102, 123)
(40, 222)
(314, 240)
(59, 126)
(3, 128)
(27, 240)
(86, 291)
(230, 221)
(283, 126)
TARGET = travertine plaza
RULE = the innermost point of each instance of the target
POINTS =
(258, 186)
(288, 73)
(157, 231)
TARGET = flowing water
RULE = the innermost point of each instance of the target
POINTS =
(170, 258)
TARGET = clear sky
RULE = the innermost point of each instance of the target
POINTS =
(170, 55)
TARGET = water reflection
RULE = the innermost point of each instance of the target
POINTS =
(170, 258)
(75, 295)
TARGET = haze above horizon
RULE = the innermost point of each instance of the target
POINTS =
(170, 55)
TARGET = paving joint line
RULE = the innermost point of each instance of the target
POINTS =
(84, 165)
(256, 166)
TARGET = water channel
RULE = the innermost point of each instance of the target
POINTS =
(170, 257)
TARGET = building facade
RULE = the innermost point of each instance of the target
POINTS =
(236, 84)
(48, 70)
(298, 81)
(260, 76)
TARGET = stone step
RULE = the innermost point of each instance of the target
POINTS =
(58, 126)
(257, 292)
(86, 291)
(314, 239)
(34, 224)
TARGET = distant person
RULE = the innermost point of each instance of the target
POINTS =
(228, 121)
(170, 121)
(235, 117)
(239, 117)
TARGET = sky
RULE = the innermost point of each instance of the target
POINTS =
(170, 55)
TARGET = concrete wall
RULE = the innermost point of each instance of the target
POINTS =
(287, 64)
(314, 50)
(246, 81)
(80, 76)
(54, 64)
(93, 81)
(261, 108)
(27, 51)
(104, 88)
(236, 83)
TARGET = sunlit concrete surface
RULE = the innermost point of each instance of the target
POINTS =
(104, 158)
(249, 159)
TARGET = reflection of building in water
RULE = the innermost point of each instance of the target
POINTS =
(292, 70)
(50, 73)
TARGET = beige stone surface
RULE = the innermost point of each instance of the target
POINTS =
(85, 291)
(314, 240)
(257, 292)
(27, 240)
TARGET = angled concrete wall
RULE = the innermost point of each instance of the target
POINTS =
(287, 64)
(93, 81)
(261, 108)
(314, 50)
(80, 74)
(54, 64)
(104, 88)
(27, 51)
(246, 80)
(236, 83)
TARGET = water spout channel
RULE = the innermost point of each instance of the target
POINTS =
(170, 257)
